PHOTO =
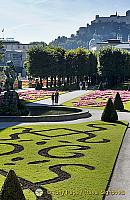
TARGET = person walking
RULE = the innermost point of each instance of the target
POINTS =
(56, 97)
(80, 85)
(53, 98)
(86, 85)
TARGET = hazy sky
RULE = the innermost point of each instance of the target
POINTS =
(44, 20)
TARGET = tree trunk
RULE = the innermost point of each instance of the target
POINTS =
(41, 82)
(71, 82)
(59, 80)
(47, 81)
(77, 81)
(51, 83)
(54, 81)
(68, 80)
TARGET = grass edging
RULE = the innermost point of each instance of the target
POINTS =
(109, 181)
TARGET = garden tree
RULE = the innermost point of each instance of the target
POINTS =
(39, 62)
(53, 62)
(27, 67)
(92, 69)
(39, 43)
(109, 114)
(112, 63)
(57, 64)
(11, 188)
(126, 66)
(118, 102)
(80, 63)
(70, 67)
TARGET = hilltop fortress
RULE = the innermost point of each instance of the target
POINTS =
(114, 18)
(100, 29)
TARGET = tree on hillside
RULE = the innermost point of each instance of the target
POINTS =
(38, 43)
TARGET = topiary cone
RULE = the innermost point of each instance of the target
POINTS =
(118, 102)
(11, 189)
(109, 114)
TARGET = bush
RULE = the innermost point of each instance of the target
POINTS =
(118, 102)
(109, 114)
(11, 105)
(11, 189)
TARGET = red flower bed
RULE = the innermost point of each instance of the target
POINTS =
(99, 98)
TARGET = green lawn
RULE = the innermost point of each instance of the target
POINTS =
(74, 161)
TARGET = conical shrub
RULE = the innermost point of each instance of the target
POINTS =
(11, 189)
(109, 114)
(118, 102)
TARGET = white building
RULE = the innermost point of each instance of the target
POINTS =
(16, 52)
(113, 43)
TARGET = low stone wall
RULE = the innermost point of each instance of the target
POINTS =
(46, 118)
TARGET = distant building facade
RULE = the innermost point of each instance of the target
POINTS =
(16, 52)
(113, 43)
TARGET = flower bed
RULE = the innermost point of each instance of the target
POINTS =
(35, 95)
(32, 95)
(99, 98)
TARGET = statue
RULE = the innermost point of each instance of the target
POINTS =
(10, 76)
(11, 105)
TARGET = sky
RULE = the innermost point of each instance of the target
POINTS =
(45, 20)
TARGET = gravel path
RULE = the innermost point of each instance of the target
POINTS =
(62, 98)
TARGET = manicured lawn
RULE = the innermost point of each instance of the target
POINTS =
(71, 161)
(98, 99)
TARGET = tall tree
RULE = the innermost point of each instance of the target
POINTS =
(112, 62)
(57, 65)
(39, 62)
(81, 63)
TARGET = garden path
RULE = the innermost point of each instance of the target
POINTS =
(62, 98)
(121, 177)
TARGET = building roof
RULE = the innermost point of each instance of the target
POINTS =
(14, 51)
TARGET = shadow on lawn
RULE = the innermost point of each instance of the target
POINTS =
(122, 123)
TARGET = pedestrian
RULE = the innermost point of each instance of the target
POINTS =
(80, 85)
(56, 97)
(86, 85)
(53, 98)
